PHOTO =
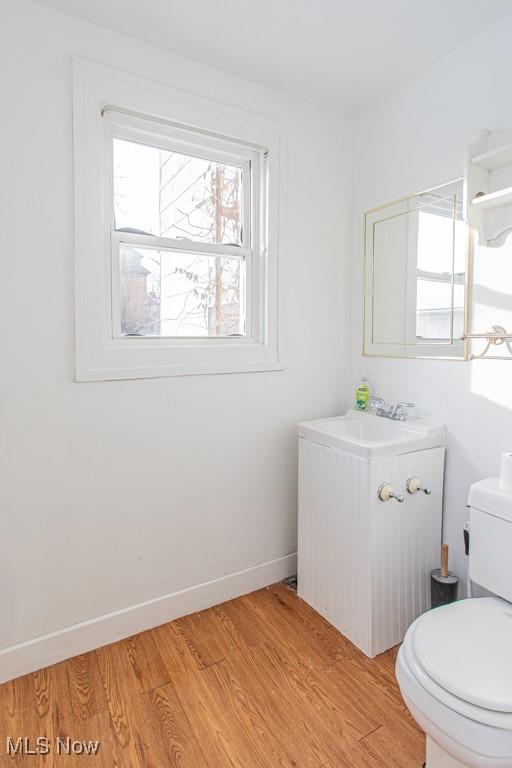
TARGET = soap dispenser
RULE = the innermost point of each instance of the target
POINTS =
(362, 394)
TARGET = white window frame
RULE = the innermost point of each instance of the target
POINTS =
(109, 104)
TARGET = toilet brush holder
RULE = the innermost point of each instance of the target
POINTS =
(443, 583)
(443, 589)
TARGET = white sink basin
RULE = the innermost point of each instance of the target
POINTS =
(373, 437)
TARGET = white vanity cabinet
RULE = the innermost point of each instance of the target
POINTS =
(364, 564)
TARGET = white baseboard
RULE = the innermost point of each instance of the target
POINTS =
(79, 638)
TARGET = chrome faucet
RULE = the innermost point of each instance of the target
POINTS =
(396, 412)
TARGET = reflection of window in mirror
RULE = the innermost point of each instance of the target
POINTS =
(415, 275)
(441, 267)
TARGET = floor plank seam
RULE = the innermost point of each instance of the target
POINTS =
(213, 664)
(155, 687)
(367, 735)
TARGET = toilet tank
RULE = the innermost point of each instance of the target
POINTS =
(490, 550)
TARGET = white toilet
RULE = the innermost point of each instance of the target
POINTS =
(455, 665)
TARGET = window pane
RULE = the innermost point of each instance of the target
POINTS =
(435, 242)
(169, 293)
(173, 195)
(434, 309)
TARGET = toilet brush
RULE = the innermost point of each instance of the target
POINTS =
(443, 583)
(444, 560)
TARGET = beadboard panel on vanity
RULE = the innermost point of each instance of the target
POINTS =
(365, 564)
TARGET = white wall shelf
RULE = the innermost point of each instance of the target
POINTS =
(488, 174)
(493, 199)
(494, 158)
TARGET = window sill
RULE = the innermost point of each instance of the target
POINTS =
(117, 361)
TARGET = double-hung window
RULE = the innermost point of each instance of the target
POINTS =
(183, 231)
(176, 233)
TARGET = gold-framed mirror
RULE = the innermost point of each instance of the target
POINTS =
(416, 269)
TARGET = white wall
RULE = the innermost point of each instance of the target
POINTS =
(411, 141)
(117, 493)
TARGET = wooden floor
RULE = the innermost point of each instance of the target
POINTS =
(260, 681)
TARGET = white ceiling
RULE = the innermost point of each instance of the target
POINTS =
(335, 53)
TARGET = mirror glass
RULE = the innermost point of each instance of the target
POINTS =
(415, 275)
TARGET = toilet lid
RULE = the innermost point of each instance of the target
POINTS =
(466, 648)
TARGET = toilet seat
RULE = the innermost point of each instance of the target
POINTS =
(455, 703)
(465, 648)
(473, 734)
